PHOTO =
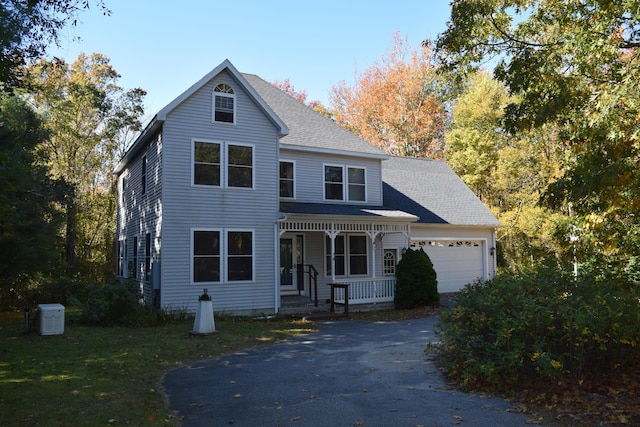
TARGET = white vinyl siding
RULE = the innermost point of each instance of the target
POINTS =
(188, 207)
(310, 175)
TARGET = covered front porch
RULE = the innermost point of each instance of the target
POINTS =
(356, 246)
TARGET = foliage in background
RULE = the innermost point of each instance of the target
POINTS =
(416, 281)
(510, 173)
(572, 66)
(397, 105)
(28, 27)
(543, 327)
(87, 113)
(115, 303)
(29, 221)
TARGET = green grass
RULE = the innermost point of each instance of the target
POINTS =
(92, 376)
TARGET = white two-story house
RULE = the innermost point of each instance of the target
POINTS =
(238, 188)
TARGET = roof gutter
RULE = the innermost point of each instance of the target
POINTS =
(152, 128)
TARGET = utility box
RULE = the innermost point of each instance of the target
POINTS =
(51, 319)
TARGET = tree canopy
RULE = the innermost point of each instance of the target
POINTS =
(574, 66)
(28, 27)
(397, 104)
(29, 221)
(87, 113)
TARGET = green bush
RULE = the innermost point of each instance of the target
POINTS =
(541, 325)
(117, 303)
(416, 282)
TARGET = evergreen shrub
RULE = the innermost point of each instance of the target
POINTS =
(416, 281)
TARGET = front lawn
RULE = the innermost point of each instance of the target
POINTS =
(99, 376)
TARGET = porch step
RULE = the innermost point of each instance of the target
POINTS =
(301, 305)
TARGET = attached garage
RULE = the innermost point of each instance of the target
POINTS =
(457, 262)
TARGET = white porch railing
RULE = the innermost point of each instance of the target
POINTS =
(368, 291)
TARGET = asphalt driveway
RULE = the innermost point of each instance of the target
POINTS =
(349, 373)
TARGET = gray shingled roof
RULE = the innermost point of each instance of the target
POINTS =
(344, 210)
(308, 128)
(432, 191)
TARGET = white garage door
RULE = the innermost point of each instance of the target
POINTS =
(457, 262)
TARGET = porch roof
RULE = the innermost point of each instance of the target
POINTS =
(359, 212)
(333, 219)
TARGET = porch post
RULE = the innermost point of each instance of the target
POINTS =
(372, 236)
(332, 235)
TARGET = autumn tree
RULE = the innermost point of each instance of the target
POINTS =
(509, 172)
(86, 112)
(574, 66)
(396, 104)
(301, 96)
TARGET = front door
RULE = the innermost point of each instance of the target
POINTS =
(291, 262)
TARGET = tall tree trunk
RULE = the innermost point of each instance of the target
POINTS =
(71, 238)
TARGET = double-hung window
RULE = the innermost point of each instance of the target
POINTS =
(224, 105)
(206, 256)
(350, 254)
(222, 256)
(239, 255)
(222, 164)
(333, 183)
(356, 187)
(206, 163)
(345, 183)
(287, 183)
(240, 166)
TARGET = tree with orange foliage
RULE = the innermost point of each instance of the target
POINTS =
(301, 96)
(396, 104)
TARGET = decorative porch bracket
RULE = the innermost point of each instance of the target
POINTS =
(332, 229)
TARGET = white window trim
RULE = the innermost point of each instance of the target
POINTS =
(213, 105)
(347, 255)
(346, 174)
(224, 255)
(294, 179)
(224, 163)
(253, 254)
(345, 183)
(192, 255)
(324, 182)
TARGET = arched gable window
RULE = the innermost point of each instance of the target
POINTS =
(224, 104)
